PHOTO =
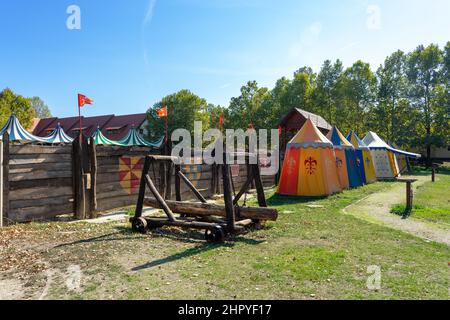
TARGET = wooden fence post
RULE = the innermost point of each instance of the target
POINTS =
(5, 182)
(227, 193)
(433, 173)
(93, 170)
(80, 160)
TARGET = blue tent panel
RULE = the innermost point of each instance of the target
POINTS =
(353, 169)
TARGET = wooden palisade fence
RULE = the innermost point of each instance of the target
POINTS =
(42, 182)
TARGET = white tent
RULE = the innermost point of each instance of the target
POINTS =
(385, 157)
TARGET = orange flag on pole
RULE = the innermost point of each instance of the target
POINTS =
(162, 112)
(83, 100)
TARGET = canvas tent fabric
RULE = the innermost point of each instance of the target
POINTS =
(309, 168)
(134, 139)
(18, 133)
(100, 139)
(58, 136)
(367, 168)
(385, 161)
(346, 160)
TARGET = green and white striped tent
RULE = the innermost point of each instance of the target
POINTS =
(134, 139)
(100, 139)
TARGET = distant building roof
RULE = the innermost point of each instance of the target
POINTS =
(112, 126)
(320, 122)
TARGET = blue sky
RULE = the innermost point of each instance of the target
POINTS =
(129, 54)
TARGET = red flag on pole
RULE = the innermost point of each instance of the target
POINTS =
(250, 126)
(280, 130)
(83, 100)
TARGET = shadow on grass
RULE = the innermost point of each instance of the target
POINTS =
(205, 247)
(402, 211)
(279, 200)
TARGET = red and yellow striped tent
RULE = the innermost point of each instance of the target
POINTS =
(309, 168)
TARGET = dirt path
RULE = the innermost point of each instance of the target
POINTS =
(376, 209)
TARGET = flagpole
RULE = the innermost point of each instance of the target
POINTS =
(79, 118)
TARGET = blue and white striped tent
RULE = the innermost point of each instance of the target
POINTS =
(58, 136)
(18, 133)
(133, 139)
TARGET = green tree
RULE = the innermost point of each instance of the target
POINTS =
(243, 109)
(424, 71)
(357, 86)
(325, 93)
(42, 110)
(300, 90)
(11, 103)
(392, 90)
(184, 108)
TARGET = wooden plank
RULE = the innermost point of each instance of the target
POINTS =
(40, 175)
(117, 202)
(50, 183)
(6, 183)
(40, 158)
(34, 149)
(39, 213)
(18, 204)
(40, 193)
(29, 168)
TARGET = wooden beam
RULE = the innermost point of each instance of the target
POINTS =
(160, 200)
(5, 181)
(192, 187)
(93, 163)
(209, 209)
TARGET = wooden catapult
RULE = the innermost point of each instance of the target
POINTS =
(217, 220)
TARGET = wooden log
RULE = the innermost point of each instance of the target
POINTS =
(79, 191)
(159, 222)
(259, 186)
(177, 183)
(209, 209)
(192, 188)
(159, 199)
(228, 197)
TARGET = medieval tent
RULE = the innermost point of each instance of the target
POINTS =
(309, 168)
(134, 139)
(366, 167)
(346, 160)
(384, 156)
(58, 136)
(100, 139)
(18, 133)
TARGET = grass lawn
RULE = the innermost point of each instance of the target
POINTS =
(431, 200)
(309, 253)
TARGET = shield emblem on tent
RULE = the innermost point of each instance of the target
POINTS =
(130, 172)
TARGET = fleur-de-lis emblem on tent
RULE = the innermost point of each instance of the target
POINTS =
(358, 162)
(339, 162)
(311, 165)
(367, 161)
